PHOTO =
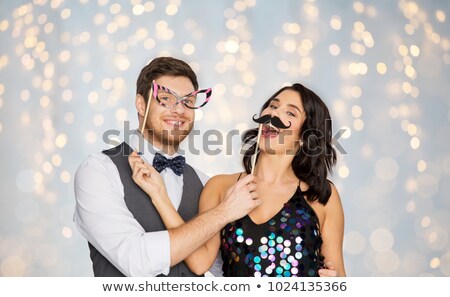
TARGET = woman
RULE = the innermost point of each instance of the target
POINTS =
(298, 228)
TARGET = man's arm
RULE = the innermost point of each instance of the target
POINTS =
(185, 238)
(103, 218)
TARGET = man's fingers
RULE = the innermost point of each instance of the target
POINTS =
(257, 202)
(246, 180)
(251, 187)
(327, 273)
(330, 265)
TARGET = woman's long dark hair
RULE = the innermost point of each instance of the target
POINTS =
(316, 156)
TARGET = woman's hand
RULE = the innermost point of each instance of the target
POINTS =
(147, 178)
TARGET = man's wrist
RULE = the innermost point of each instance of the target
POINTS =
(219, 214)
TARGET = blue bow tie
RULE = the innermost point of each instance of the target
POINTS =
(176, 164)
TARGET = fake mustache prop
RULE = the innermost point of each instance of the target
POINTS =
(265, 119)
(275, 121)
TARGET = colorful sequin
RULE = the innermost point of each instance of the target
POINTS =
(288, 245)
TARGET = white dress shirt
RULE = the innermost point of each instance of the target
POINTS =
(103, 218)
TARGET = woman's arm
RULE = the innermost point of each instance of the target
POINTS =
(333, 234)
(202, 259)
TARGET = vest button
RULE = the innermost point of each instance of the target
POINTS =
(183, 274)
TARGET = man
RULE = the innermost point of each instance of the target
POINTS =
(125, 233)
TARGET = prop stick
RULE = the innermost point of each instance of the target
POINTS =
(256, 148)
(146, 111)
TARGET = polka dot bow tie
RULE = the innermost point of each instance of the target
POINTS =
(176, 164)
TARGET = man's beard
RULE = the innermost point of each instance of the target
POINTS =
(167, 138)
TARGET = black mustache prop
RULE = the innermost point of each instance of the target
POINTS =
(275, 121)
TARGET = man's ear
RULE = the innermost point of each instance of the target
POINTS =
(140, 105)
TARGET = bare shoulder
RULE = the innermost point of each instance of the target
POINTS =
(223, 180)
(221, 183)
(334, 204)
(215, 189)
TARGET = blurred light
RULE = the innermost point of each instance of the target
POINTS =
(415, 50)
(25, 95)
(4, 24)
(65, 176)
(61, 140)
(231, 46)
(25, 118)
(67, 95)
(65, 13)
(410, 72)
(366, 151)
(69, 118)
(411, 206)
(13, 266)
(358, 124)
(93, 97)
(358, 7)
(356, 92)
(435, 263)
(171, 9)
(47, 168)
(381, 240)
(440, 16)
(381, 68)
(387, 262)
(66, 232)
(56, 160)
(445, 264)
(138, 9)
(354, 243)
(386, 168)
(343, 171)
(415, 143)
(334, 49)
(282, 66)
(98, 120)
(121, 114)
(44, 101)
(91, 137)
(149, 6)
(336, 23)
(115, 8)
(356, 111)
(347, 132)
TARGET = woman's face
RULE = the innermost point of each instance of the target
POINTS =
(289, 108)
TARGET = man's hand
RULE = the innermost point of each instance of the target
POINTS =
(147, 178)
(240, 199)
(329, 270)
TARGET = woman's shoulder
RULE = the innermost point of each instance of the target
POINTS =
(224, 180)
(218, 185)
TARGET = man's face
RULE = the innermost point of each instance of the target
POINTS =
(167, 127)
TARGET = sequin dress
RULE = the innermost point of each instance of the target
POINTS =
(287, 245)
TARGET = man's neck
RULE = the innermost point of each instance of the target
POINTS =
(159, 145)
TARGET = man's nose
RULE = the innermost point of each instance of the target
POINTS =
(179, 108)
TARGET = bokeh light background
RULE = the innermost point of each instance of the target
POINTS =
(68, 72)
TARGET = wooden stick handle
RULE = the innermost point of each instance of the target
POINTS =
(256, 148)
(146, 111)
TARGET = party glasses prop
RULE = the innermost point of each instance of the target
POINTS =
(169, 99)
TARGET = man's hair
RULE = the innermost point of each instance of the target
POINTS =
(163, 66)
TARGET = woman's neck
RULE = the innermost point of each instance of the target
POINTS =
(274, 168)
